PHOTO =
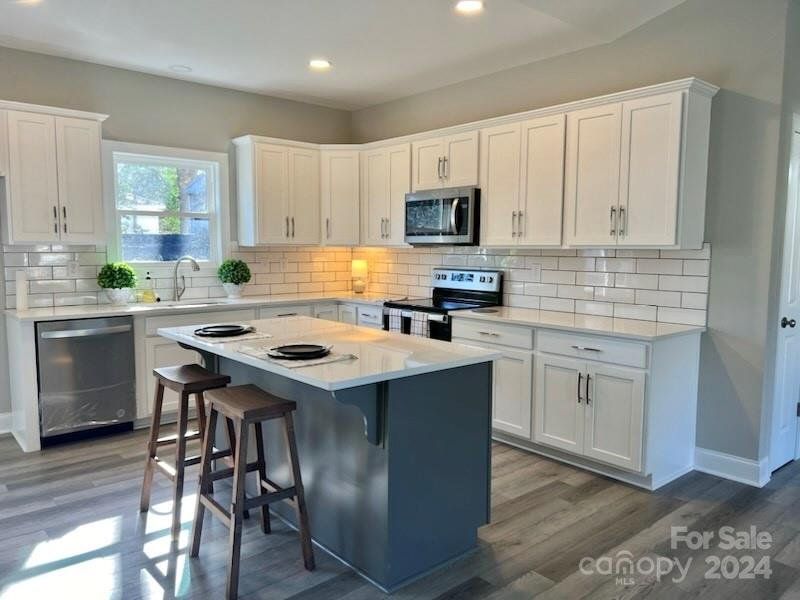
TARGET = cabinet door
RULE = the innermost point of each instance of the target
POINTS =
(648, 200)
(32, 178)
(340, 197)
(427, 164)
(541, 181)
(614, 416)
(304, 195)
(161, 352)
(329, 312)
(79, 185)
(558, 406)
(500, 184)
(399, 171)
(592, 176)
(461, 160)
(374, 196)
(347, 313)
(271, 193)
(513, 393)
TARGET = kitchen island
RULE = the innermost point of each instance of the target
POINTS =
(394, 444)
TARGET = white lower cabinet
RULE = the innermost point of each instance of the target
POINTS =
(348, 313)
(161, 352)
(370, 316)
(294, 310)
(329, 312)
(592, 409)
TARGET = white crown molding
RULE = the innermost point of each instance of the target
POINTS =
(735, 468)
(51, 110)
(243, 140)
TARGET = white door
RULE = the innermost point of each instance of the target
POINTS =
(161, 352)
(32, 180)
(79, 184)
(428, 167)
(500, 175)
(650, 161)
(558, 419)
(614, 401)
(347, 313)
(513, 393)
(304, 195)
(329, 312)
(784, 439)
(591, 186)
(460, 168)
(374, 196)
(339, 188)
(541, 182)
(271, 195)
(399, 172)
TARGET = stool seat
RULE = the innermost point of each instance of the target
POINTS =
(249, 403)
(190, 378)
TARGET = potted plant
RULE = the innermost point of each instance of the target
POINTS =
(118, 280)
(233, 273)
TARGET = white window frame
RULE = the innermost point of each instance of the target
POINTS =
(218, 210)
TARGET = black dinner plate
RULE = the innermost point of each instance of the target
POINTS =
(299, 351)
(222, 330)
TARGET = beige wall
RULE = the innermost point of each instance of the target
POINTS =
(736, 44)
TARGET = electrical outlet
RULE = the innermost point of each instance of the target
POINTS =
(72, 268)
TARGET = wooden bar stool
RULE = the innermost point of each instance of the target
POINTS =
(248, 405)
(185, 380)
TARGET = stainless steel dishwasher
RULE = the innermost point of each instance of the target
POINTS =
(86, 374)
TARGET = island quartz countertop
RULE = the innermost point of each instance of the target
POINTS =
(382, 355)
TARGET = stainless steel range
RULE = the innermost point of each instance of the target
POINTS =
(453, 289)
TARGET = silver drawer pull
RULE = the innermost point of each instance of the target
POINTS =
(491, 333)
(287, 315)
(587, 348)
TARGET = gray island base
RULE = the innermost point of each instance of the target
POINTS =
(396, 472)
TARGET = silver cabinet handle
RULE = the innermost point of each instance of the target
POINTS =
(580, 378)
(64, 213)
(613, 218)
(388, 227)
(292, 226)
(490, 333)
(588, 400)
(55, 219)
(623, 220)
(446, 167)
(439, 168)
(74, 333)
(519, 226)
(383, 228)
(287, 227)
(514, 224)
(287, 315)
(586, 348)
(328, 227)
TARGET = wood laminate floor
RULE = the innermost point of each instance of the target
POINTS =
(70, 528)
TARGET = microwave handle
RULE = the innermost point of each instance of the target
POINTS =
(453, 213)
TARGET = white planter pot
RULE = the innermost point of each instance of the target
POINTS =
(234, 290)
(119, 296)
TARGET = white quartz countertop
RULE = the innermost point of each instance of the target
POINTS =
(382, 355)
(199, 305)
(623, 328)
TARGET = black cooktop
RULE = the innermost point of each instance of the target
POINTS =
(434, 305)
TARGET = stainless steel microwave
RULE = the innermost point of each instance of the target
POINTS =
(446, 216)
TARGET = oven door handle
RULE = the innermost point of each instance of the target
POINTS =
(437, 318)
(453, 217)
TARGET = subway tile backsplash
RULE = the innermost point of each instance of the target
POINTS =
(667, 285)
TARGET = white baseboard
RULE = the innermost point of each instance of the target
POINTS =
(735, 468)
(5, 422)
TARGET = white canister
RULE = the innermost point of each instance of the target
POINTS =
(22, 290)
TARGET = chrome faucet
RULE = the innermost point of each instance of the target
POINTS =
(195, 267)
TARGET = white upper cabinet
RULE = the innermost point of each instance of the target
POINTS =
(450, 161)
(340, 197)
(591, 190)
(522, 183)
(385, 181)
(53, 187)
(278, 192)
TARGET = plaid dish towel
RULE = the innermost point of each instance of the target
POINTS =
(395, 319)
(420, 325)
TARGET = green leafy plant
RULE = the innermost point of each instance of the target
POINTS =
(116, 276)
(234, 271)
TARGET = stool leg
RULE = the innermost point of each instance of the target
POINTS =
(204, 488)
(237, 516)
(180, 467)
(302, 513)
(262, 475)
(231, 433)
(152, 448)
(201, 413)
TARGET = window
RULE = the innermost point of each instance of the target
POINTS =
(165, 203)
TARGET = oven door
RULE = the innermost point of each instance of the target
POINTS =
(447, 216)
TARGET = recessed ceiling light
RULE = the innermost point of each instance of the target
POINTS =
(469, 7)
(180, 69)
(320, 64)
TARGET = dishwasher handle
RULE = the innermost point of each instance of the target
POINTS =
(80, 333)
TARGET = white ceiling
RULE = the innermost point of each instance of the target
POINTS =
(381, 49)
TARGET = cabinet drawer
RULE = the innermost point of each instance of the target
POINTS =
(285, 311)
(152, 324)
(632, 354)
(494, 333)
(370, 316)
